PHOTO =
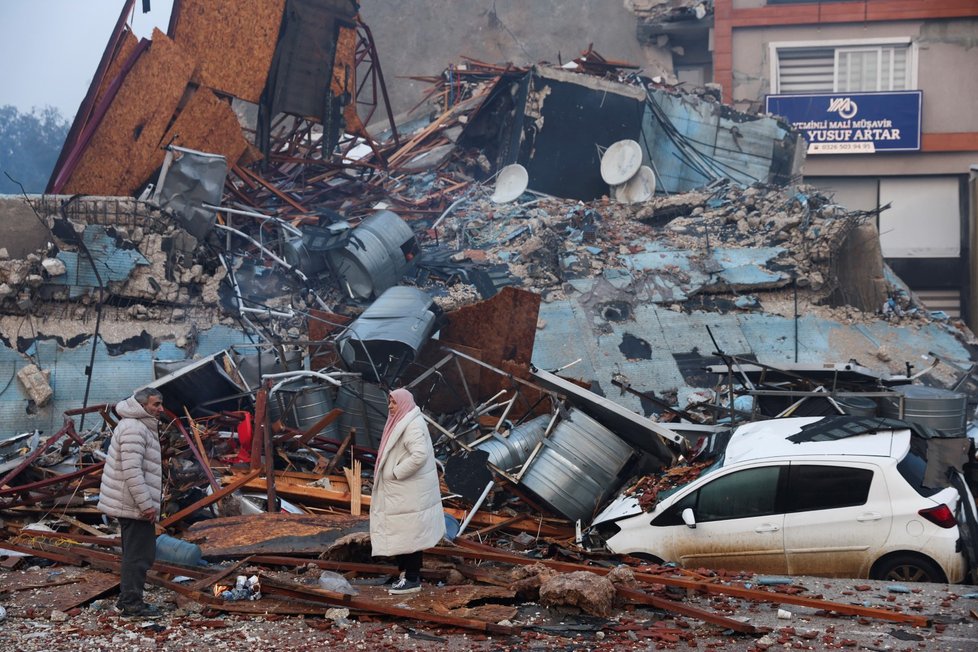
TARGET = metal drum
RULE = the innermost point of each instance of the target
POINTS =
(578, 466)
(303, 405)
(378, 254)
(511, 451)
(929, 406)
(364, 407)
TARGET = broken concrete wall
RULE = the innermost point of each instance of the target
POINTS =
(158, 299)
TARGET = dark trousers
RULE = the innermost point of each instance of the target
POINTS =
(411, 565)
(138, 554)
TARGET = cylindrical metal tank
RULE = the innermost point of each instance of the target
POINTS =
(512, 450)
(302, 405)
(578, 466)
(929, 406)
(377, 255)
(364, 407)
(858, 406)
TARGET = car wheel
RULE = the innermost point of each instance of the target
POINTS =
(907, 568)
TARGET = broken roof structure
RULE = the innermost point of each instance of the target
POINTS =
(287, 267)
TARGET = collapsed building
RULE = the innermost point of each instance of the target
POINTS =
(240, 240)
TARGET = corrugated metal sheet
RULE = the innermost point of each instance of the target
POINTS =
(571, 331)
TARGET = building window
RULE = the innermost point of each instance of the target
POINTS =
(841, 67)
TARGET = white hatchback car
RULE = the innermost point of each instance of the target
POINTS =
(777, 501)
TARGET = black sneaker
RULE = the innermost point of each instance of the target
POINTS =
(141, 611)
(404, 585)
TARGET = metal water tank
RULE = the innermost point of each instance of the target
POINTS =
(378, 253)
(364, 407)
(510, 451)
(304, 404)
(578, 466)
(929, 406)
(858, 406)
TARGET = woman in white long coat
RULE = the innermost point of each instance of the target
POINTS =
(405, 506)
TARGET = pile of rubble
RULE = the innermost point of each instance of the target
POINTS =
(274, 280)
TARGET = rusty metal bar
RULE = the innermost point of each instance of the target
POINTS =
(482, 551)
(207, 500)
(199, 455)
(37, 453)
(686, 610)
(270, 585)
(258, 434)
(40, 484)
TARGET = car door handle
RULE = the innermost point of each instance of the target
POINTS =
(869, 516)
(767, 528)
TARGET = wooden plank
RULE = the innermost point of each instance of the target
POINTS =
(320, 425)
(338, 457)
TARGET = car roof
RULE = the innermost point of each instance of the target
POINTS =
(769, 440)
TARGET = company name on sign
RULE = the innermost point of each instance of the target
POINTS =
(819, 131)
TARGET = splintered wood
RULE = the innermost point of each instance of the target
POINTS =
(354, 480)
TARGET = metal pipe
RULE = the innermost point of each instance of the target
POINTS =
(475, 507)
(264, 250)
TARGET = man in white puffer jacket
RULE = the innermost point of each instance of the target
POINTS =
(131, 491)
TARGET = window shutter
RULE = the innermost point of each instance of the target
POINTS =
(806, 70)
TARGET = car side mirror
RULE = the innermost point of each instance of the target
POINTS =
(688, 518)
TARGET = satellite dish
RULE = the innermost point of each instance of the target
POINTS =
(620, 162)
(637, 189)
(511, 182)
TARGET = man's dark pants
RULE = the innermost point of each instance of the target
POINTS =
(138, 554)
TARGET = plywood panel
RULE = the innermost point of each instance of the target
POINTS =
(233, 41)
(124, 150)
(127, 45)
(208, 124)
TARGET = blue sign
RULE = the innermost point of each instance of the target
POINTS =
(853, 123)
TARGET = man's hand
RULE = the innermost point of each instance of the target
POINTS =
(150, 514)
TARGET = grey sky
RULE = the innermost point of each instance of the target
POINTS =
(51, 48)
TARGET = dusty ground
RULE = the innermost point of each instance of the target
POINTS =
(32, 625)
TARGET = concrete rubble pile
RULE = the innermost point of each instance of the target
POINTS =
(274, 279)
